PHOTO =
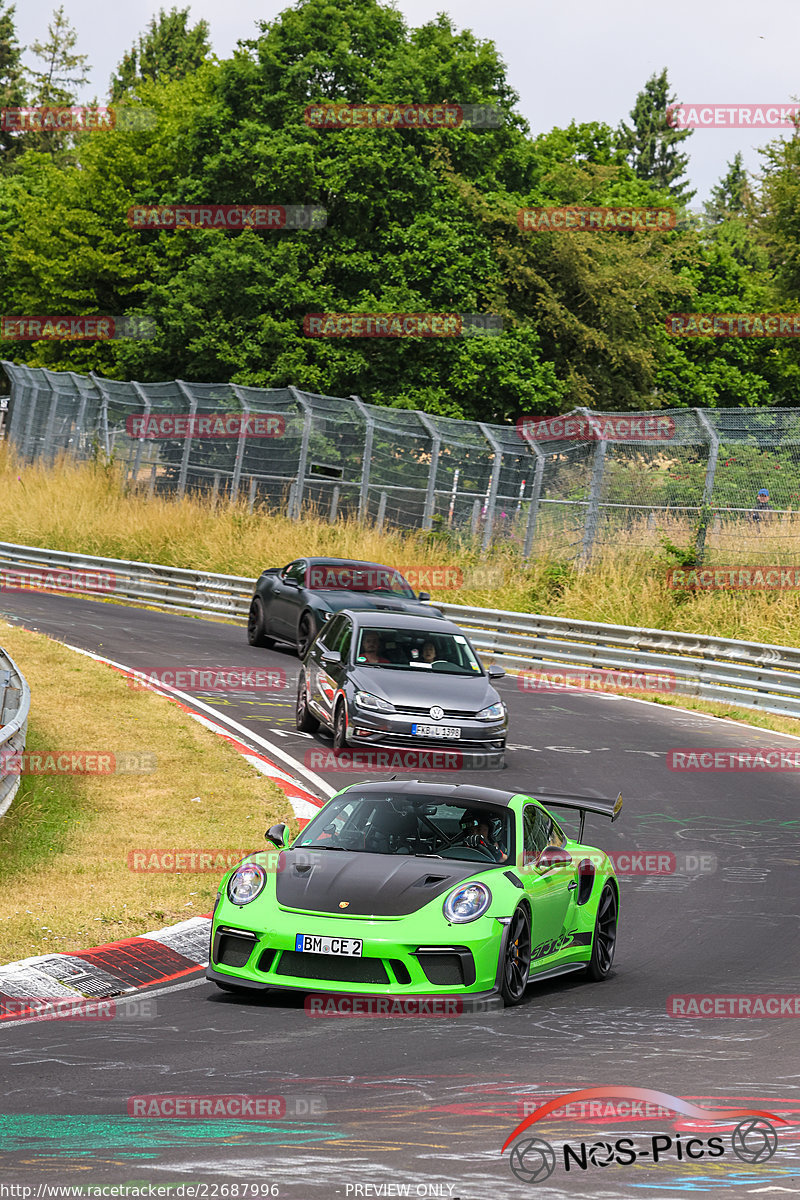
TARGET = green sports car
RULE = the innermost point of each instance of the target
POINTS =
(404, 888)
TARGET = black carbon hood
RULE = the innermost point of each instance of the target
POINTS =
(379, 885)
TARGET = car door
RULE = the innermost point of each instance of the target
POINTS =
(287, 597)
(325, 676)
(550, 888)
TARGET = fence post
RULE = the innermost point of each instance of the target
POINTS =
(536, 492)
(187, 444)
(51, 418)
(145, 399)
(381, 511)
(305, 408)
(237, 466)
(491, 499)
(590, 526)
(430, 494)
(366, 462)
(708, 487)
(334, 505)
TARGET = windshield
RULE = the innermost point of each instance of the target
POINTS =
(355, 577)
(416, 650)
(420, 826)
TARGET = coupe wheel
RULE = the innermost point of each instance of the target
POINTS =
(305, 721)
(517, 958)
(340, 727)
(605, 935)
(256, 624)
(306, 632)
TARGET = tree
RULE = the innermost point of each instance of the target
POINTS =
(651, 143)
(733, 196)
(12, 80)
(168, 50)
(62, 71)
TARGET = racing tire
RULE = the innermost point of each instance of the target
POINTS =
(516, 965)
(306, 632)
(256, 624)
(340, 727)
(605, 935)
(304, 720)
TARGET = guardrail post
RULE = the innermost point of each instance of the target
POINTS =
(366, 466)
(708, 487)
(593, 511)
(430, 493)
(306, 409)
(491, 499)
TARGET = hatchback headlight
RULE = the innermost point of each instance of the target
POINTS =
(246, 883)
(367, 700)
(495, 712)
(467, 903)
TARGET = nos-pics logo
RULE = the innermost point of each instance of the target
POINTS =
(754, 1140)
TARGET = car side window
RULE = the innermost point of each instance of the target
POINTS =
(296, 572)
(332, 632)
(343, 645)
(537, 829)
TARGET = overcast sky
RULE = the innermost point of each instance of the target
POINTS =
(568, 59)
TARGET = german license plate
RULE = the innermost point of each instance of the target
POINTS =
(436, 731)
(309, 944)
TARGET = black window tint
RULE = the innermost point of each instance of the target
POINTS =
(297, 571)
(343, 645)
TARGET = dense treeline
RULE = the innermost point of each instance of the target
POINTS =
(417, 221)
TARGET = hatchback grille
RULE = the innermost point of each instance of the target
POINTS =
(413, 710)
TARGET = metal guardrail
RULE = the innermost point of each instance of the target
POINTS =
(748, 674)
(15, 703)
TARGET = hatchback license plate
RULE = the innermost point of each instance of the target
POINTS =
(309, 944)
(436, 731)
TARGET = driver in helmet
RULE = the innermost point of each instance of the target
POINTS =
(481, 831)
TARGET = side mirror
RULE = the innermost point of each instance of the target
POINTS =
(551, 858)
(424, 595)
(277, 835)
(496, 672)
(331, 656)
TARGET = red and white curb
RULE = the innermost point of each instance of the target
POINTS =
(120, 968)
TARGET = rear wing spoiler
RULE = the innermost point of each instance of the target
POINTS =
(583, 805)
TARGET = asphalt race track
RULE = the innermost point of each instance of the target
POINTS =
(421, 1107)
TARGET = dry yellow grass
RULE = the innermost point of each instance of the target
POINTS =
(65, 883)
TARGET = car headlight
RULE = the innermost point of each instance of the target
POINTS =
(467, 903)
(246, 883)
(495, 712)
(367, 700)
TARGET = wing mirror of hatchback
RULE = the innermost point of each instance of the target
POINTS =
(552, 857)
(278, 836)
(496, 672)
(424, 595)
(331, 656)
